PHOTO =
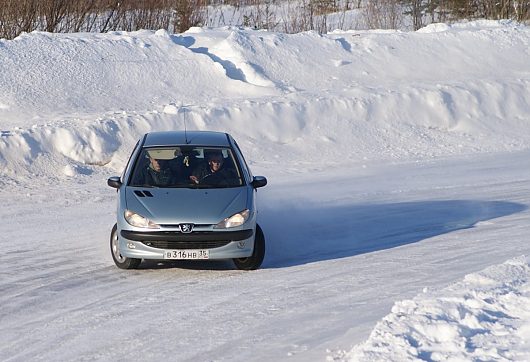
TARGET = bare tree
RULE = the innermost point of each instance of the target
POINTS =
(383, 14)
(188, 13)
(415, 8)
(17, 17)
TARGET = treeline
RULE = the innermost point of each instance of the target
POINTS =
(390, 14)
(177, 16)
(454, 10)
(64, 16)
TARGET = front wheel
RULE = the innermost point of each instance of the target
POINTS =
(121, 262)
(254, 261)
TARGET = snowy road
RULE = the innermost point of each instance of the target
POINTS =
(354, 224)
(343, 246)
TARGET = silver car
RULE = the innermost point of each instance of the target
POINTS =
(187, 195)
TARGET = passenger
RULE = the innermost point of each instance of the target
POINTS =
(157, 173)
(213, 171)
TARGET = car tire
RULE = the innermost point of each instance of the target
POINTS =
(254, 261)
(121, 262)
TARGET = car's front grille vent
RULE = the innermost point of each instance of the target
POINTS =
(186, 244)
(143, 193)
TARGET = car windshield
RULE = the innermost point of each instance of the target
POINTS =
(185, 166)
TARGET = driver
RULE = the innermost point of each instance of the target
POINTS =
(214, 166)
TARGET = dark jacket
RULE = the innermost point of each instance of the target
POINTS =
(149, 177)
(223, 177)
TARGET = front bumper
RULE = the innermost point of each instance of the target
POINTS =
(152, 244)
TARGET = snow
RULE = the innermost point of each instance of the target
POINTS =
(396, 214)
(484, 317)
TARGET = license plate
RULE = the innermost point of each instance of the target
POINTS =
(186, 254)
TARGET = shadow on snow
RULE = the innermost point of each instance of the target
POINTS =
(302, 235)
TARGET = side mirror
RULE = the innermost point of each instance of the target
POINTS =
(114, 181)
(258, 181)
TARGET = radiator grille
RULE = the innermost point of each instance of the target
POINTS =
(185, 244)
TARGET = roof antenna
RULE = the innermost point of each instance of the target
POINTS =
(185, 125)
(185, 128)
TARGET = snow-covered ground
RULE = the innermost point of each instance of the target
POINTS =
(396, 214)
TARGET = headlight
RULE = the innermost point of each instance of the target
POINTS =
(235, 220)
(139, 221)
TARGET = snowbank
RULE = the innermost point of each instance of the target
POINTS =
(84, 99)
(485, 317)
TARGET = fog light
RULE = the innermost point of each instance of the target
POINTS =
(131, 246)
(241, 244)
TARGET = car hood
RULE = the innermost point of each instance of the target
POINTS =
(197, 206)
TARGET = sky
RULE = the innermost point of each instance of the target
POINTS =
(396, 213)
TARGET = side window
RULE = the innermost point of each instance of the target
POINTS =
(128, 167)
(244, 166)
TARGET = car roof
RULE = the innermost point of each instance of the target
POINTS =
(192, 138)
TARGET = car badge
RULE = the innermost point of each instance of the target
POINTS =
(186, 228)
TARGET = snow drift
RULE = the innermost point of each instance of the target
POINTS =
(462, 322)
(387, 95)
